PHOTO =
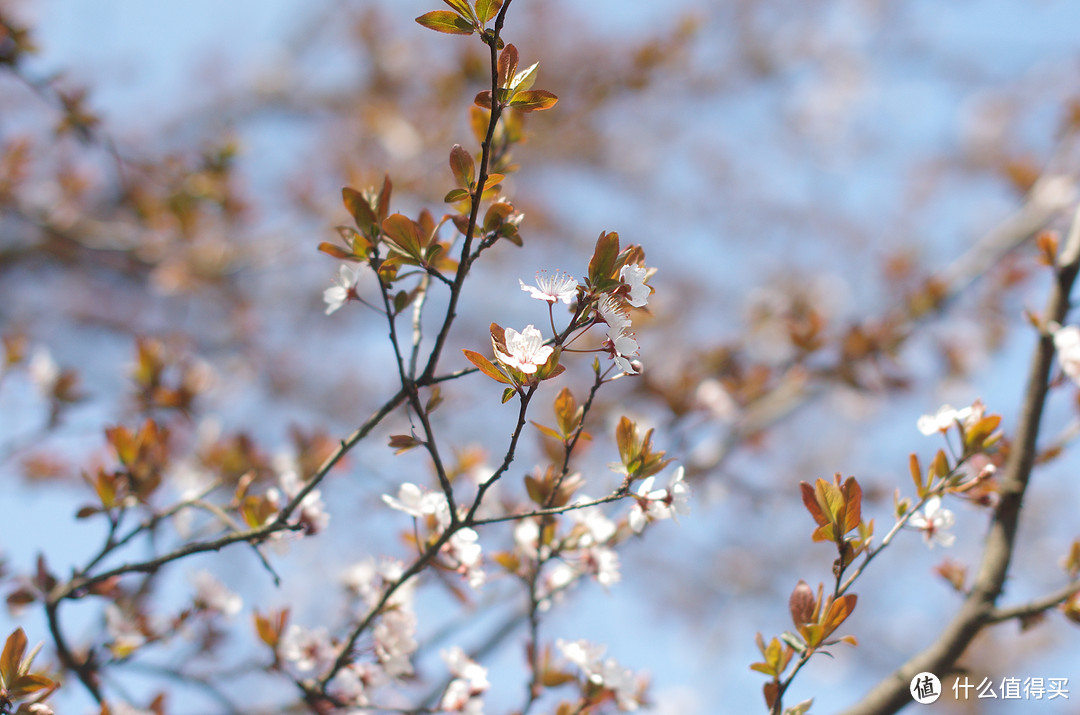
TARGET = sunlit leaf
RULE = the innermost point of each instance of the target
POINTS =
(507, 66)
(359, 208)
(486, 367)
(334, 250)
(487, 9)
(446, 21)
(533, 100)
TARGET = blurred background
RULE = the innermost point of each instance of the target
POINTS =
(838, 195)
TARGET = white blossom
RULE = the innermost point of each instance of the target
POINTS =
(525, 350)
(344, 287)
(43, 370)
(1067, 343)
(942, 420)
(605, 673)
(552, 288)
(307, 649)
(464, 692)
(419, 503)
(933, 521)
(634, 276)
(212, 595)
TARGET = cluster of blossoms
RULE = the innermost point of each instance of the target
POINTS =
(462, 551)
(948, 417)
(314, 651)
(311, 513)
(657, 505)
(528, 352)
(602, 673)
(465, 692)
(211, 596)
(976, 435)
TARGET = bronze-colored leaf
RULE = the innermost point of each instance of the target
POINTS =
(486, 366)
(462, 166)
(508, 63)
(533, 100)
(446, 21)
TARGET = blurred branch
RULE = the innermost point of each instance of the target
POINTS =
(1037, 607)
(978, 609)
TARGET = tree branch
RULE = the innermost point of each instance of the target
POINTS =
(978, 609)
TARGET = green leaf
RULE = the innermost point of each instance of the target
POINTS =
(461, 7)
(508, 394)
(487, 9)
(455, 195)
(445, 21)
(534, 100)
(524, 79)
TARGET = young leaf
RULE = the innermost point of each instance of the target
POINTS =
(483, 99)
(462, 167)
(404, 235)
(524, 79)
(486, 367)
(333, 250)
(445, 21)
(382, 201)
(487, 9)
(533, 100)
(359, 208)
(455, 195)
(916, 474)
(462, 8)
(508, 62)
(548, 431)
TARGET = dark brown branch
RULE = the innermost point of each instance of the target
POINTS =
(978, 609)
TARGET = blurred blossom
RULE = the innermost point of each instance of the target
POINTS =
(1067, 343)
(933, 521)
(469, 683)
(344, 287)
(395, 640)
(211, 595)
(942, 420)
(419, 503)
(606, 673)
(713, 396)
(43, 370)
(312, 510)
(307, 649)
